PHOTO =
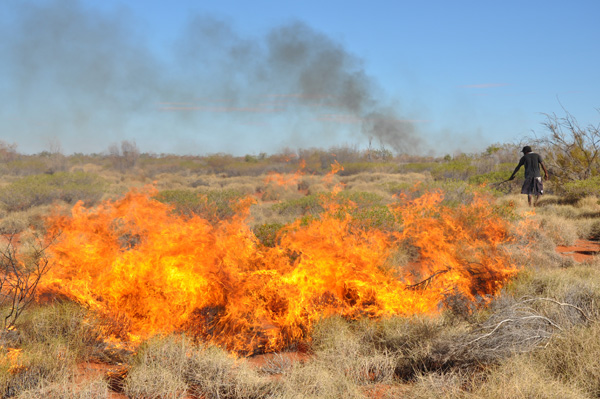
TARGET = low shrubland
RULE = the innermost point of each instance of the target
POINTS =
(43, 189)
(537, 338)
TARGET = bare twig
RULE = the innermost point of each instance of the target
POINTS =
(423, 284)
(20, 275)
(585, 316)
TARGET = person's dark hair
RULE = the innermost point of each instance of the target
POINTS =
(526, 149)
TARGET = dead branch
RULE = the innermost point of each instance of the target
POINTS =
(20, 275)
(515, 320)
(585, 316)
(423, 284)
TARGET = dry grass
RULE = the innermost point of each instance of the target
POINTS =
(315, 380)
(34, 367)
(349, 352)
(538, 341)
(559, 229)
(154, 382)
(214, 373)
(520, 377)
(173, 367)
(64, 324)
(91, 389)
(573, 358)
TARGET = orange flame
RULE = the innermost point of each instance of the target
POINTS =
(335, 168)
(286, 180)
(147, 270)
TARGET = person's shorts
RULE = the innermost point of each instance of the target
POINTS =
(533, 186)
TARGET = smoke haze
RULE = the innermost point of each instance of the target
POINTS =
(88, 79)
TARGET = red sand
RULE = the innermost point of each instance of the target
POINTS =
(581, 250)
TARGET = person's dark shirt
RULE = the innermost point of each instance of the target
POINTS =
(531, 161)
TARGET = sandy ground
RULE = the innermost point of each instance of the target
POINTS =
(581, 250)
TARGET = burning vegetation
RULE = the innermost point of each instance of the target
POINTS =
(148, 270)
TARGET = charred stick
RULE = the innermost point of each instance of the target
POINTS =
(424, 283)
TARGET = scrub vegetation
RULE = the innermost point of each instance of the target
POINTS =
(536, 339)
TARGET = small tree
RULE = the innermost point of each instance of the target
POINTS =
(20, 274)
(8, 152)
(573, 152)
(125, 156)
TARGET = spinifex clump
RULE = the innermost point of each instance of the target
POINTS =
(150, 270)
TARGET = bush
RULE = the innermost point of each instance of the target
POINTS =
(354, 168)
(68, 389)
(578, 189)
(460, 168)
(215, 374)
(65, 323)
(214, 205)
(33, 366)
(172, 366)
(573, 358)
(307, 205)
(267, 233)
(522, 378)
(45, 189)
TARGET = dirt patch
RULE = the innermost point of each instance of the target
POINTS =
(581, 250)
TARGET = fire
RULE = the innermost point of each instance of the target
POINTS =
(146, 270)
(286, 179)
(335, 168)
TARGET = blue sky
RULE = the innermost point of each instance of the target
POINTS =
(197, 77)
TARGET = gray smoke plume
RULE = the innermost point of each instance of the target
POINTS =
(90, 79)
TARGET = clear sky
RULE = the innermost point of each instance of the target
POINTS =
(243, 77)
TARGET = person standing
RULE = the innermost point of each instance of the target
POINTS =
(532, 186)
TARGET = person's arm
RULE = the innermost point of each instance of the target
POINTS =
(545, 171)
(517, 169)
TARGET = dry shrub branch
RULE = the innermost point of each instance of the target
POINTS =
(20, 274)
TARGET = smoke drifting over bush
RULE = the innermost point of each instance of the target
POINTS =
(89, 79)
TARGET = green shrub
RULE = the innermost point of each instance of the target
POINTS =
(267, 233)
(212, 205)
(377, 216)
(44, 189)
(307, 205)
(578, 189)
(362, 199)
(460, 168)
(24, 166)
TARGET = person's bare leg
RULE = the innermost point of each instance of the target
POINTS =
(536, 199)
(529, 199)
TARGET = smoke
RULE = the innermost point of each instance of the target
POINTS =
(90, 79)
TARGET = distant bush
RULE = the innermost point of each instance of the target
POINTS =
(418, 166)
(353, 168)
(25, 166)
(44, 189)
(501, 173)
(398, 188)
(212, 205)
(460, 168)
